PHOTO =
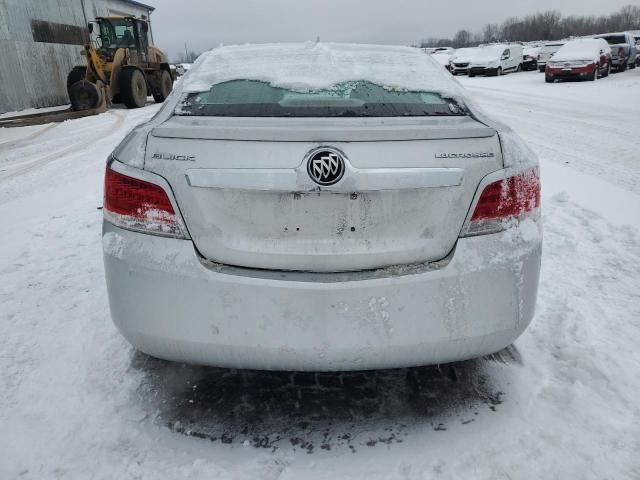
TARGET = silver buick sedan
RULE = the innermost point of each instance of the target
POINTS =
(321, 207)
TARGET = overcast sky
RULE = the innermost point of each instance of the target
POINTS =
(203, 24)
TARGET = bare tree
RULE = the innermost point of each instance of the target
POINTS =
(491, 33)
(187, 57)
(462, 39)
(548, 25)
(435, 42)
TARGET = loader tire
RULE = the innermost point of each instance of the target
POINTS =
(75, 75)
(166, 85)
(84, 95)
(133, 87)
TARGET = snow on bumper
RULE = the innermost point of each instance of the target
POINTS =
(169, 304)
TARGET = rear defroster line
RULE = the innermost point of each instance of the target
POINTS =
(34, 164)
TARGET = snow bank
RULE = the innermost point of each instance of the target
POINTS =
(77, 403)
(317, 66)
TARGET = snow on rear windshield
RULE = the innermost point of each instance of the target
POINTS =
(251, 98)
(551, 47)
(318, 66)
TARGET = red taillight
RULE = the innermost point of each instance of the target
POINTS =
(138, 205)
(506, 199)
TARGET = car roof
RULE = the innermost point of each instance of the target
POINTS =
(621, 34)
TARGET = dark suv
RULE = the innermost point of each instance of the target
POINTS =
(623, 50)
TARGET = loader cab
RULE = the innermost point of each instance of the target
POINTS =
(123, 32)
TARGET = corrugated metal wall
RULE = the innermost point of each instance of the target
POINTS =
(103, 8)
(34, 73)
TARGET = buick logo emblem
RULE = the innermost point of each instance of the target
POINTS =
(325, 167)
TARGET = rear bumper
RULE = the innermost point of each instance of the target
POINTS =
(169, 304)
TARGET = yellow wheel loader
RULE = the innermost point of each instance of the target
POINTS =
(121, 68)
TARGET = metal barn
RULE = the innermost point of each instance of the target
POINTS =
(41, 40)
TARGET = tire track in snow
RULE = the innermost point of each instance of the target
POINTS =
(544, 101)
(572, 136)
(78, 145)
(24, 141)
(574, 116)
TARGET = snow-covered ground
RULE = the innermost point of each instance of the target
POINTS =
(77, 402)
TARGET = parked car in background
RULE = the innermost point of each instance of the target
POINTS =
(459, 64)
(530, 58)
(497, 59)
(449, 50)
(580, 59)
(636, 38)
(546, 52)
(623, 50)
(334, 207)
(182, 68)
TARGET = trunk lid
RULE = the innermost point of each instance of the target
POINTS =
(247, 198)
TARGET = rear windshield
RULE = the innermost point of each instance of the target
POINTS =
(251, 98)
(615, 39)
(552, 47)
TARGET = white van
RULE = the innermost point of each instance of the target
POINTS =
(497, 59)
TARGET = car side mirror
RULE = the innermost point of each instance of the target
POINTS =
(90, 27)
(145, 27)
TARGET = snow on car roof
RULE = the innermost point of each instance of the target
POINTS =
(497, 48)
(610, 34)
(464, 54)
(580, 49)
(316, 66)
